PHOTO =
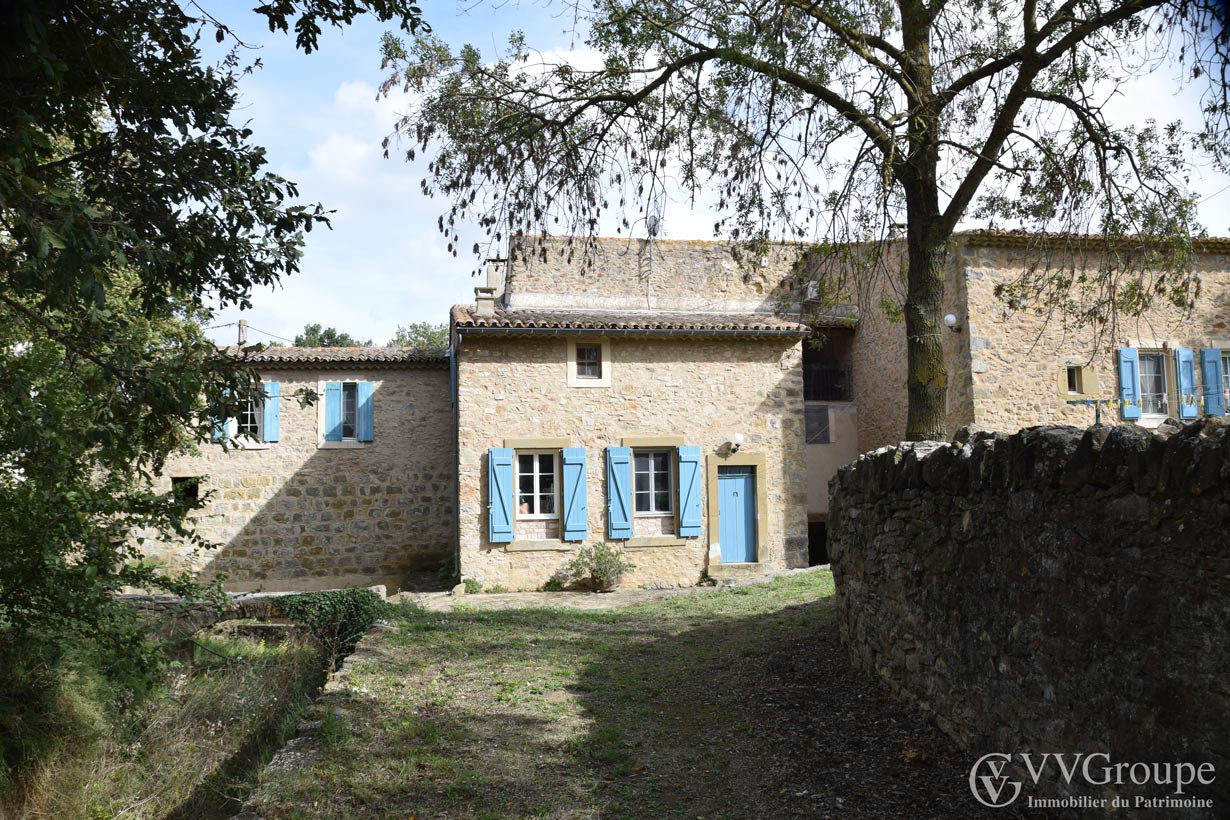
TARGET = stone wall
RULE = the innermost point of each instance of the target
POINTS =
(1057, 590)
(298, 515)
(633, 274)
(700, 389)
(1014, 357)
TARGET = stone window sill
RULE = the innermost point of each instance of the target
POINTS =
(546, 545)
(647, 541)
(341, 445)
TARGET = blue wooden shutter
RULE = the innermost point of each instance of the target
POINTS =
(273, 402)
(619, 492)
(367, 418)
(1129, 382)
(576, 507)
(499, 495)
(333, 411)
(219, 433)
(1185, 367)
(1210, 374)
(689, 491)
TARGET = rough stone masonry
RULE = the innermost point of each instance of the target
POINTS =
(1058, 590)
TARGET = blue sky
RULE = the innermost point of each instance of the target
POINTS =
(384, 263)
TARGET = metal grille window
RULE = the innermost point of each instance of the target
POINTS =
(827, 381)
(350, 411)
(589, 361)
(1153, 384)
(536, 485)
(651, 489)
(816, 424)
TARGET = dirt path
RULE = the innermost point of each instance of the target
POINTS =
(732, 703)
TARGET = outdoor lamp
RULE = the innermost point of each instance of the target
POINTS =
(951, 321)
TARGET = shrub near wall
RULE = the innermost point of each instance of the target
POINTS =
(1057, 590)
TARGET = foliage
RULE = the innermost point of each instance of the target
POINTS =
(128, 199)
(835, 123)
(600, 565)
(190, 750)
(421, 334)
(473, 586)
(315, 336)
(336, 619)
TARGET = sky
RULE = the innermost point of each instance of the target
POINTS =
(384, 263)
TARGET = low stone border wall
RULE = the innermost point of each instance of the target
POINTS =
(1059, 590)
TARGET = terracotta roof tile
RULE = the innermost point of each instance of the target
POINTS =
(632, 322)
(309, 356)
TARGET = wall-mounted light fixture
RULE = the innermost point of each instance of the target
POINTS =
(951, 321)
(736, 441)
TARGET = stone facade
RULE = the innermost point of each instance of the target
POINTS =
(691, 389)
(1057, 590)
(300, 514)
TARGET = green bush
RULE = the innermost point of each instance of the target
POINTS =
(473, 586)
(336, 619)
(599, 565)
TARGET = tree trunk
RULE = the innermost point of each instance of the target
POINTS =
(927, 377)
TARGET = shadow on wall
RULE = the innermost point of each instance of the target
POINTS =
(292, 515)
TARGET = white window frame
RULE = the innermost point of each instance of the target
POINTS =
(653, 489)
(555, 461)
(257, 408)
(1167, 384)
(605, 366)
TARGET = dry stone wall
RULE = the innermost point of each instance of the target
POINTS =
(1057, 590)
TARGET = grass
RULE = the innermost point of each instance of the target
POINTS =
(188, 751)
(650, 712)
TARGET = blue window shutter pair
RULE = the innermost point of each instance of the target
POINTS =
(499, 495)
(1211, 375)
(273, 401)
(619, 492)
(689, 491)
(1129, 383)
(366, 427)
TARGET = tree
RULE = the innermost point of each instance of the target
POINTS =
(421, 334)
(127, 199)
(833, 122)
(314, 336)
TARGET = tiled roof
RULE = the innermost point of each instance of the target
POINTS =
(311, 356)
(630, 322)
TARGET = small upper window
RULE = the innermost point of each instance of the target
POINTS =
(652, 480)
(350, 411)
(1074, 380)
(589, 361)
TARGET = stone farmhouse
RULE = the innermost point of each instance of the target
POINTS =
(664, 396)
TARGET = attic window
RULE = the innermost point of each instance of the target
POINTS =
(589, 361)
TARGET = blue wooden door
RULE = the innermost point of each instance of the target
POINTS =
(737, 514)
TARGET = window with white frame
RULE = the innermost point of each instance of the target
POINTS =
(350, 411)
(653, 482)
(1225, 377)
(251, 419)
(1153, 393)
(537, 474)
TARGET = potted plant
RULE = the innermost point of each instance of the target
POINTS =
(600, 566)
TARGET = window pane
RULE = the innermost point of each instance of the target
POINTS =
(525, 504)
(661, 462)
(662, 501)
(350, 404)
(546, 504)
(526, 483)
(1152, 383)
(546, 463)
(816, 422)
(643, 502)
(642, 482)
(525, 463)
(546, 483)
(642, 461)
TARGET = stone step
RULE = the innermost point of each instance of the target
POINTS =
(733, 573)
